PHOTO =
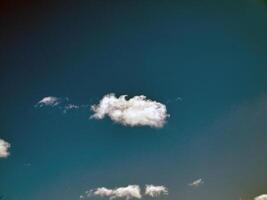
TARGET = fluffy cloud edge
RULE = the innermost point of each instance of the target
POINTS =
(4, 147)
(154, 191)
(136, 111)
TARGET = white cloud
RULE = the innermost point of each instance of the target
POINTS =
(261, 197)
(136, 111)
(129, 192)
(103, 192)
(62, 104)
(196, 183)
(4, 146)
(154, 191)
(49, 101)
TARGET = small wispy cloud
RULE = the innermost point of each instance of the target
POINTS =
(128, 192)
(154, 191)
(70, 107)
(49, 101)
(136, 111)
(196, 183)
(62, 104)
(4, 147)
(261, 197)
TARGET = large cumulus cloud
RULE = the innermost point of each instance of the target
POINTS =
(136, 111)
(128, 192)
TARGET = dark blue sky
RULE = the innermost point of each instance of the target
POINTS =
(212, 54)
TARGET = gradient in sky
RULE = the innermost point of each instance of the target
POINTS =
(206, 61)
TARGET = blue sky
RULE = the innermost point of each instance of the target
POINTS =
(204, 61)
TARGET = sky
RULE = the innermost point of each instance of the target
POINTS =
(193, 123)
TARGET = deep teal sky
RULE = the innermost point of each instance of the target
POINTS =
(212, 54)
